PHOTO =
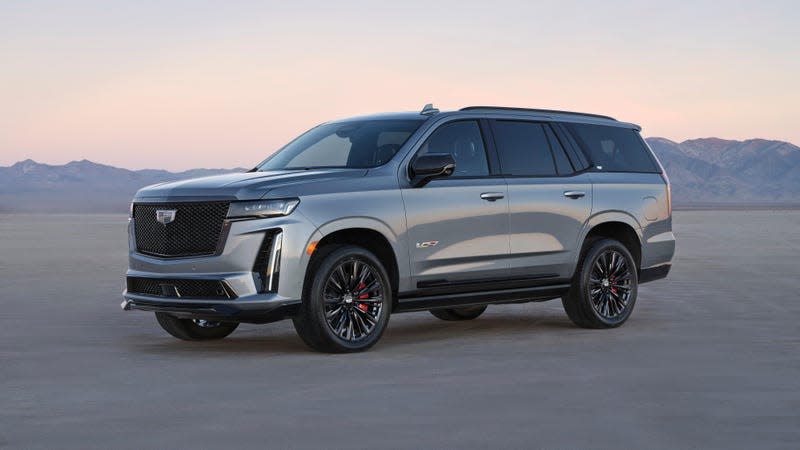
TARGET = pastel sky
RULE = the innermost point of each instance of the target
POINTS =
(184, 84)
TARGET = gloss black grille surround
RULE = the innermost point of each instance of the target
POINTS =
(177, 288)
(195, 231)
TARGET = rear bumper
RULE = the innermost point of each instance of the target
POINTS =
(251, 311)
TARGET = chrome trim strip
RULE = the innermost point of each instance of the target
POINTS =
(274, 259)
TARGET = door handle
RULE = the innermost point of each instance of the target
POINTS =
(574, 194)
(492, 196)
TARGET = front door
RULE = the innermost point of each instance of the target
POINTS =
(458, 226)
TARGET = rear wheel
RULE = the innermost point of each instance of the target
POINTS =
(604, 288)
(347, 307)
(195, 329)
(465, 313)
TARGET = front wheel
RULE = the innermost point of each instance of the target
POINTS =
(347, 306)
(195, 329)
(604, 287)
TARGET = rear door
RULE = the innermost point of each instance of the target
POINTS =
(548, 200)
(458, 226)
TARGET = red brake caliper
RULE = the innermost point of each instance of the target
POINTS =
(613, 289)
(362, 306)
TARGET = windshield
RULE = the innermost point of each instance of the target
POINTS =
(357, 144)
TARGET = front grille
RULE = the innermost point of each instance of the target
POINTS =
(177, 288)
(195, 231)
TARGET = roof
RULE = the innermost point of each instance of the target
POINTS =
(543, 111)
(548, 114)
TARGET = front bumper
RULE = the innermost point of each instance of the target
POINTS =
(245, 297)
(262, 311)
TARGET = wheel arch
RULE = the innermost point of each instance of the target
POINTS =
(615, 225)
(375, 237)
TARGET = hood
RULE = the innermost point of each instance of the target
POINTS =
(238, 186)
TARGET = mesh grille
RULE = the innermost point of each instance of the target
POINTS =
(195, 231)
(175, 288)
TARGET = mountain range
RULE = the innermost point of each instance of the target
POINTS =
(80, 186)
(707, 171)
(715, 170)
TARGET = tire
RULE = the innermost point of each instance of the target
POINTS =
(195, 330)
(604, 287)
(359, 301)
(453, 314)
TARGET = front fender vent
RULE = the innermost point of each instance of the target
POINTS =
(267, 267)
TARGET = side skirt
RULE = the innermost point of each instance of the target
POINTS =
(408, 303)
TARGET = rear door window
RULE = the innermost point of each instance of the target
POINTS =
(562, 162)
(523, 148)
(614, 149)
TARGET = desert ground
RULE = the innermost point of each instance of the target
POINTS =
(709, 359)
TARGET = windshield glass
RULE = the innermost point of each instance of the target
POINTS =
(357, 144)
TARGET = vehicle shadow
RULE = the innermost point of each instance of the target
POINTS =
(402, 332)
(435, 330)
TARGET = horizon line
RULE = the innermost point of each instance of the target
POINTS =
(244, 168)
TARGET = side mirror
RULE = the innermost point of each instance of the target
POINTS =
(432, 165)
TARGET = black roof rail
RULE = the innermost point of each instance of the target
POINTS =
(545, 111)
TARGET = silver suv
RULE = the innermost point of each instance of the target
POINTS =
(442, 211)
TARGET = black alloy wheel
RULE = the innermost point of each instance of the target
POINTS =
(195, 329)
(605, 285)
(610, 284)
(353, 299)
(459, 314)
(347, 300)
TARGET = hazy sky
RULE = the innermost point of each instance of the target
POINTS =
(181, 84)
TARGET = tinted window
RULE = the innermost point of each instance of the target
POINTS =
(366, 143)
(615, 149)
(462, 140)
(576, 157)
(523, 148)
(562, 163)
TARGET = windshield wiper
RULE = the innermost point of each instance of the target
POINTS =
(307, 168)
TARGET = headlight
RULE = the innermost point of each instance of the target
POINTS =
(262, 208)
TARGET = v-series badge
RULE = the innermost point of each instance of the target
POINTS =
(427, 244)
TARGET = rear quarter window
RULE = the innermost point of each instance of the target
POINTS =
(615, 149)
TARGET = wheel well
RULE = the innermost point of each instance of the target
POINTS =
(620, 231)
(371, 240)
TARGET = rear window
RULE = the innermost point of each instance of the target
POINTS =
(614, 149)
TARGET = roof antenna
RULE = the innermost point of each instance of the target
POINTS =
(429, 110)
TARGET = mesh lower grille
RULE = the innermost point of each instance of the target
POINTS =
(177, 288)
(195, 230)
